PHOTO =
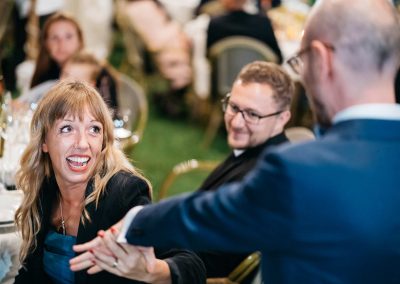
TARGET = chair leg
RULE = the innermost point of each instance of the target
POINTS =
(213, 125)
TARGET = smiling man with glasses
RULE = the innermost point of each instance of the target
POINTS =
(255, 113)
(258, 106)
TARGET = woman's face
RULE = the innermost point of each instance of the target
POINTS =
(74, 147)
(62, 41)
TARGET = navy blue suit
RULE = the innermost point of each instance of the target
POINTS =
(326, 211)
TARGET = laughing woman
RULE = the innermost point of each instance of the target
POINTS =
(77, 182)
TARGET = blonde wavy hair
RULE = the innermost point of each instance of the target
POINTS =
(66, 98)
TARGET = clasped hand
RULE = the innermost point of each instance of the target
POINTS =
(133, 262)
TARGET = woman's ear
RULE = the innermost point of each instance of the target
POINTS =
(44, 148)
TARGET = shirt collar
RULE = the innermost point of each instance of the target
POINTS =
(369, 111)
(237, 152)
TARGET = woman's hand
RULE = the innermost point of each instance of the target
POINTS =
(104, 253)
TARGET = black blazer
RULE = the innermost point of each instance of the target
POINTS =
(122, 193)
(240, 23)
(232, 169)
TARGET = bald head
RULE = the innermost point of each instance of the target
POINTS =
(365, 33)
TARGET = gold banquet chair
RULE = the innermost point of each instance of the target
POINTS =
(184, 168)
(132, 61)
(227, 58)
(243, 270)
(299, 134)
(133, 109)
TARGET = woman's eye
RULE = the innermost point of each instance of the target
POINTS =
(95, 129)
(65, 129)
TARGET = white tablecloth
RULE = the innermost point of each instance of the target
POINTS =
(10, 243)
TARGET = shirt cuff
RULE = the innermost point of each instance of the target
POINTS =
(127, 222)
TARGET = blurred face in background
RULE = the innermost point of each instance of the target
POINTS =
(62, 41)
(255, 99)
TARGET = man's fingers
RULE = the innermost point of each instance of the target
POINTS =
(109, 240)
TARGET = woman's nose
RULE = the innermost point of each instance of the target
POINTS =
(81, 141)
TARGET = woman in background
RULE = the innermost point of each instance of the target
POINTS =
(61, 37)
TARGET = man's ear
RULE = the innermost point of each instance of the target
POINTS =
(322, 58)
(284, 117)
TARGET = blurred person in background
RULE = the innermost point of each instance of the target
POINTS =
(44, 9)
(60, 38)
(85, 67)
(237, 22)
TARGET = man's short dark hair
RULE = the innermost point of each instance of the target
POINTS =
(270, 74)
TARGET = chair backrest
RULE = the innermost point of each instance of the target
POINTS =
(183, 168)
(229, 55)
(213, 8)
(132, 62)
(133, 107)
(247, 266)
(299, 134)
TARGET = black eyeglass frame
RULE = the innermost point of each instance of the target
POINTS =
(296, 63)
(225, 103)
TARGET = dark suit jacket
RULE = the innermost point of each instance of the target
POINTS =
(240, 23)
(397, 87)
(122, 193)
(325, 211)
(220, 264)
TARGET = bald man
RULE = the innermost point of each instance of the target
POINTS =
(325, 211)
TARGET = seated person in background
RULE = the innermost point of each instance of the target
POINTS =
(169, 48)
(237, 22)
(205, 31)
(60, 38)
(77, 182)
(256, 111)
(85, 67)
(163, 38)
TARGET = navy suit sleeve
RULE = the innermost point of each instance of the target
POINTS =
(234, 218)
(185, 266)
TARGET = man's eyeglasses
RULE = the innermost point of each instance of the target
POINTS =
(248, 115)
(296, 63)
